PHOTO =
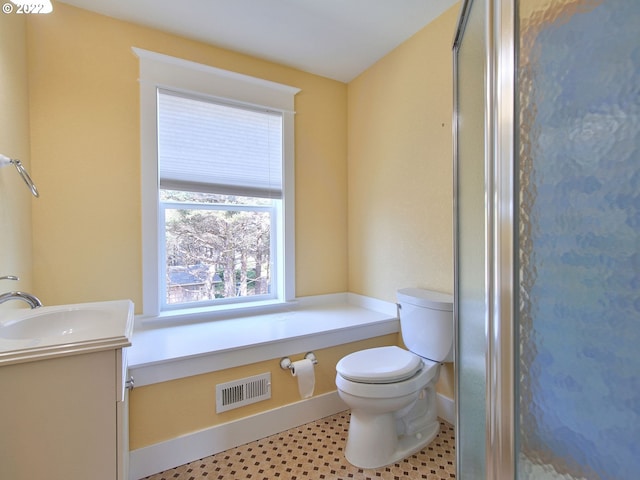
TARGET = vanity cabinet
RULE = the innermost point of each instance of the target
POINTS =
(64, 418)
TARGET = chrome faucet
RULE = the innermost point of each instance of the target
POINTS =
(32, 300)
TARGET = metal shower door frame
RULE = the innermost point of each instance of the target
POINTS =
(500, 235)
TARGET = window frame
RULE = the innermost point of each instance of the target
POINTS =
(159, 71)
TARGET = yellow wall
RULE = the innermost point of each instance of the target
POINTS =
(400, 176)
(15, 198)
(86, 156)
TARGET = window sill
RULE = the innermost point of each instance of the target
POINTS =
(163, 351)
(186, 316)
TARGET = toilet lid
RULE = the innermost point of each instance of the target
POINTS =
(379, 365)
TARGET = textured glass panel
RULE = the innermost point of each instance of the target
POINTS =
(579, 227)
(470, 221)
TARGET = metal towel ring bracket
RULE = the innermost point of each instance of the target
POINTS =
(4, 160)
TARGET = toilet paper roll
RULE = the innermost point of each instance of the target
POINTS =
(303, 371)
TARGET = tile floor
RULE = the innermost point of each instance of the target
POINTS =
(315, 451)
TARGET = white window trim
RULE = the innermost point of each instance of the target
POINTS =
(163, 71)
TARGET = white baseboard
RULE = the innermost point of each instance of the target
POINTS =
(446, 408)
(193, 446)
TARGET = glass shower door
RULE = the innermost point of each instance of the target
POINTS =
(579, 243)
(470, 237)
(547, 160)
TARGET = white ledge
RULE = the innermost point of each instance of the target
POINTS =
(163, 352)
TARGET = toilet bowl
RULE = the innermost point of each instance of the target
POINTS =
(391, 391)
(389, 420)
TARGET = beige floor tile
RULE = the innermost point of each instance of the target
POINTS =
(316, 451)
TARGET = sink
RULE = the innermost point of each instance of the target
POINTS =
(73, 328)
(65, 322)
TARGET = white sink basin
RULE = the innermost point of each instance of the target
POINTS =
(46, 323)
(65, 328)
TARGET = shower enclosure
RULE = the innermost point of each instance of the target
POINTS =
(547, 206)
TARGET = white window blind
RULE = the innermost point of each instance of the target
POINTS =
(211, 147)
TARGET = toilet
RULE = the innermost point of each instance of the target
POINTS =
(390, 390)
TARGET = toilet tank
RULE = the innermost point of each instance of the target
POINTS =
(426, 323)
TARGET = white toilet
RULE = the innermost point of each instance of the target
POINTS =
(391, 391)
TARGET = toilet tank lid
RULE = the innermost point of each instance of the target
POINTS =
(426, 298)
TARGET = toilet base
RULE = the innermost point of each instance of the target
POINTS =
(371, 444)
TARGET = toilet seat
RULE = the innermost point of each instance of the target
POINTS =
(428, 372)
(379, 365)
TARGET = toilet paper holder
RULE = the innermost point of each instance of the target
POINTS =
(287, 364)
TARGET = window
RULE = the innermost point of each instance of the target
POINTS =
(217, 188)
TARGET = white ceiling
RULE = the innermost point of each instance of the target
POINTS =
(337, 39)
